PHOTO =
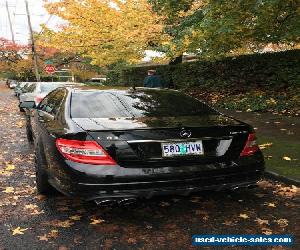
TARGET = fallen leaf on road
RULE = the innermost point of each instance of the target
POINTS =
(9, 167)
(59, 223)
(37, 212)
(282, 222)
(8, 190)
(244, 216)
(287, 192)
(96, 221)
(20, 124)
(270, 204)
(131, 241)
(75, 217)
(31, 206)
(53, 233)
(267, 231)
(265, 145)
(66, 223)
(262, 222)
(228, 223)
(286, 158)
(43, 237)
(18, 230)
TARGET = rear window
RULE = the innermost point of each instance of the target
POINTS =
(146, 103)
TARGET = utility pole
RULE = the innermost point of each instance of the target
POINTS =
(34, 55)
(10, 24)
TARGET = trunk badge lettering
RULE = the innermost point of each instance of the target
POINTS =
(238, 132)
(109, 138)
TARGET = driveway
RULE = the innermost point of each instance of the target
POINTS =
(32, 221)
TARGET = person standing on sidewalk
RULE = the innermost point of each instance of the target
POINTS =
(152, 80)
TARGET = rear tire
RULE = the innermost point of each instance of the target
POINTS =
(42, 184)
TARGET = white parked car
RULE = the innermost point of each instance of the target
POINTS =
(41, 89)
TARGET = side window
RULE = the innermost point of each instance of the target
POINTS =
(57, 100)
(43, 104)
(51, 103)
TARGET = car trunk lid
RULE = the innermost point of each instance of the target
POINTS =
(137, 142)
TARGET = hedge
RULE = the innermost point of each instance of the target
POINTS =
(268, 69)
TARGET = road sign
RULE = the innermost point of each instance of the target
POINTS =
(48, 62)
(50, 69)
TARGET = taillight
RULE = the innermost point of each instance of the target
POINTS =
(38, 99)
(251, 147)
(88, 152)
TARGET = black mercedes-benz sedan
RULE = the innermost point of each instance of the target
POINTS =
(121, 144)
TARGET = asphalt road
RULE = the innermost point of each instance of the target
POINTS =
(32, 221)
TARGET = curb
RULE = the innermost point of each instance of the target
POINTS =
(277, 177)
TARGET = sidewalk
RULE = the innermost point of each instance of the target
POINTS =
(279, 138)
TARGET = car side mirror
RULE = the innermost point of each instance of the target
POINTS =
(27, 105)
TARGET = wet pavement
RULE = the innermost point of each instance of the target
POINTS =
(32, 221)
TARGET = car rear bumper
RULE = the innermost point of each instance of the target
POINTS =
(135, 186)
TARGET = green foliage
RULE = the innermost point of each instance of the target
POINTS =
(280, 69)
(268, 100)
(214, 28)
(259, 82)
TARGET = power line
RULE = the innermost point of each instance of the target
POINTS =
(48, 20)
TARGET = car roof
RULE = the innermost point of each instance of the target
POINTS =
(77, 89)
(57, 83)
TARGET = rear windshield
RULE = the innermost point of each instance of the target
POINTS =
(146, 103)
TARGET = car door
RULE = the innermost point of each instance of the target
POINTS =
(46, 117)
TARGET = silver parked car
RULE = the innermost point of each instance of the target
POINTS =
(20, 88)
(41, 89)
(28, 88)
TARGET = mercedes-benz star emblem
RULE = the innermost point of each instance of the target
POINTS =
(185, 133)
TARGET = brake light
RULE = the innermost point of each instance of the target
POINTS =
(38, 99)
(251, 147)
(88, 152)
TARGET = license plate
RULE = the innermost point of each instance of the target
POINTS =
(182, 148)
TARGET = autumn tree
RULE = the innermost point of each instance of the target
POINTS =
(106, 31)
(10, 55)
(213, 28)
(11, 52)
